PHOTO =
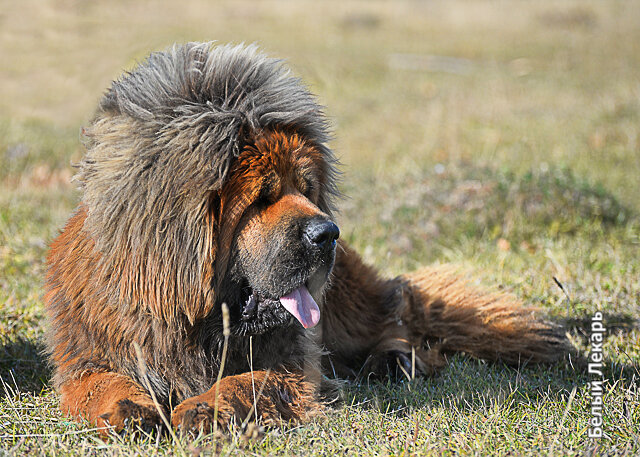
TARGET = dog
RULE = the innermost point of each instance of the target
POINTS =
(202, 279)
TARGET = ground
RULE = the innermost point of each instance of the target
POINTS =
(500, 137)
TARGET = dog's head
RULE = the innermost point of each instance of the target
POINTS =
(277, 238)
(207, 179)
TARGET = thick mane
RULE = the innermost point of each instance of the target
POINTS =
(161, 145)
(227, 88)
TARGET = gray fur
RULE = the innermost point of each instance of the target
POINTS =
(162, 142)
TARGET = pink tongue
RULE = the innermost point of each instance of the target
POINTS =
(301, 304)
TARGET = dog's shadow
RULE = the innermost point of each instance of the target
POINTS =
(613, 322)
(464, 385)
(23, 367)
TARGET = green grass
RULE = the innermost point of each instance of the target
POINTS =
(520, 168)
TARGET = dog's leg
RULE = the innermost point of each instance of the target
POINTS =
(110, 401)
(361, 322)
(273, 397)
(408, 323)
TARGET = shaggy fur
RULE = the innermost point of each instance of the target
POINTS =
(207, 180)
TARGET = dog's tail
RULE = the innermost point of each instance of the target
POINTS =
(443, 310)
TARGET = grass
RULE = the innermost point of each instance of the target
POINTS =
(518, 161)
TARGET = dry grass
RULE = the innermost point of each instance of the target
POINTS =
(500, 136)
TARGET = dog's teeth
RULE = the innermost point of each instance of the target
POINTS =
(250, 304)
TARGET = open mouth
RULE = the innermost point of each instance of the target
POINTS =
(299, 303)
(302, 306)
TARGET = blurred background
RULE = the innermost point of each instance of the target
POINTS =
(508, 82)
(500, 136)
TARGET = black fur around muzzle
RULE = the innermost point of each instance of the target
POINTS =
(301, 255)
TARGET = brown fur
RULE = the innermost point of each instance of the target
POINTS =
(432, 311)
(278, 397)
(109, 399)
(157, 245)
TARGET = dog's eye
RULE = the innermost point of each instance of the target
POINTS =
(305, 187)
(264, 199)
(309, 191)
(268, 192)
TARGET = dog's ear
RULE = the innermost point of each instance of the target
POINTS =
(236, 195)
(208, 279)
(150, 214)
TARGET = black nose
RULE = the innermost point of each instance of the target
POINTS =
(321, 233)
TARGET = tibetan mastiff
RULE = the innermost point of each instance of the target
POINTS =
(201, 280)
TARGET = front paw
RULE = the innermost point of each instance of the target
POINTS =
(280, 399)
(198, 414)
(127, 416)
(192, 417)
